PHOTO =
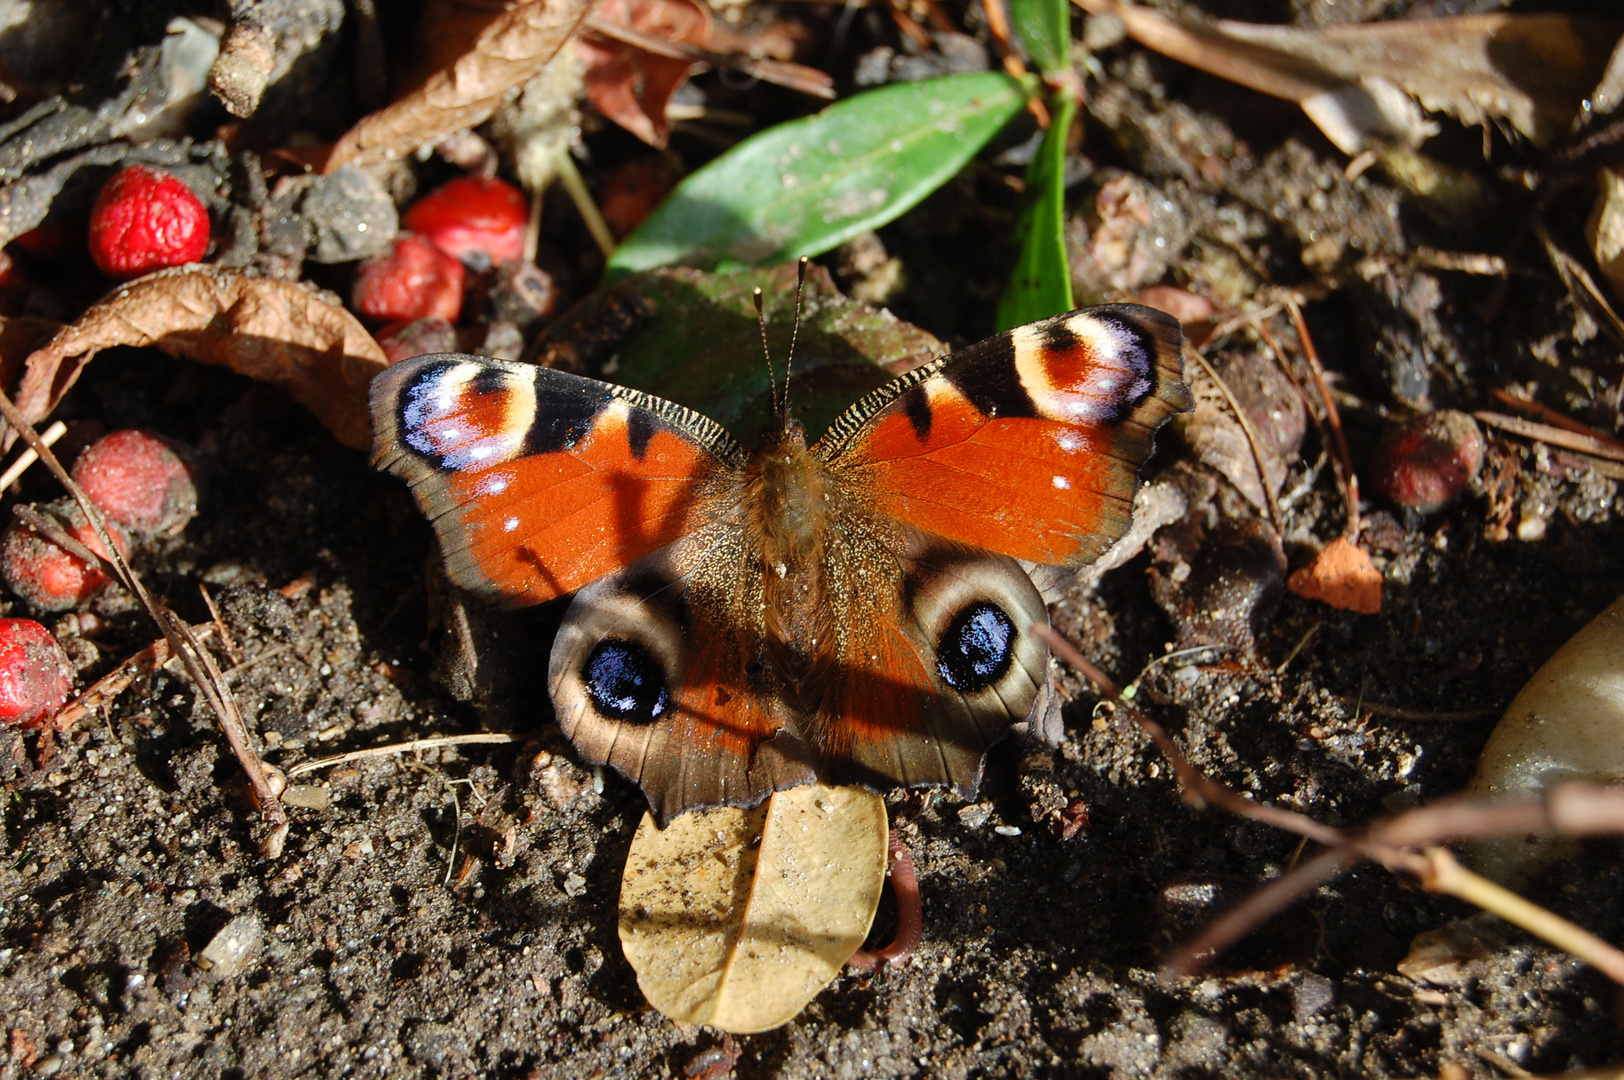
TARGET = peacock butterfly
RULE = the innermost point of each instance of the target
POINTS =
(749, 620)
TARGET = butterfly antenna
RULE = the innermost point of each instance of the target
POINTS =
(795, 327)
(772, 378)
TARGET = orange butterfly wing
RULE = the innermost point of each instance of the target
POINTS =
(539, 481)
(1028, 443)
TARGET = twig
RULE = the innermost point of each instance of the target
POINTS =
(1333, 418)
(1252, 439)
(114, 683)
(1408, 842)
(28, 457)
(200, 665)
(411, 747)
(225, 635)
(806, 80)
(1583, 443)
(570, 176)
(1554, 418)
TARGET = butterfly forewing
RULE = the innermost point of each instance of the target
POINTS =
(539, 481)
(1028, 443)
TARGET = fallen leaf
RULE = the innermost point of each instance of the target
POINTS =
(509, 52)
(702, 347)
(739, 934)
(1368, 83)
(284, 333)
(632, 86)
(1440, 956)
(1274, 410)
(20, 335)
(1340, 575)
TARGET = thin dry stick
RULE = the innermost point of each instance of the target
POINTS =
(1544, 412)
(28, 457)
(111, 685)
(411, 747)
(807, 80)
(1333, 418)
(225, 635)
(570, 177)
(200, 665)
(1252, 439)
(1574, 808)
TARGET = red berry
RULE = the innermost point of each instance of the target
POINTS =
(477, 220)
(49, 239)
(412, 280)
(144, 220)
(33, 672)
(137, 480)
(48, 577)
(404, 341)
(632, 189)
(1427, 462)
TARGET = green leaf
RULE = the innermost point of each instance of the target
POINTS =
(803, 187)
(1041, 285)
(1044, 27)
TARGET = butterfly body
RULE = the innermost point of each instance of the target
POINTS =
(851, 611)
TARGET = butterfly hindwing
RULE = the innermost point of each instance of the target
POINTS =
(1028, 443)
(930, 673)
(658, 671)
(539, 481)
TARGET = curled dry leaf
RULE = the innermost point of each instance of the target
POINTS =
(1369, 83)
(1273, 409)
(1340, 575)
(280, 332)
(509, 52)
(726, 931)
(630, 85)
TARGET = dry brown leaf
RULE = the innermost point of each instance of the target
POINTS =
(740, 935)
(280, 332)
(1273, 409)
(1363, 83)
(629, 85)
(20, 335)
(511, 51)
(1341, 575)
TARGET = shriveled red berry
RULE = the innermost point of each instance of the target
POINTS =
(49, 239)
(632, 189)
(1424, 464)
(431, 335)
(144, 220)
(477, 220)
(48, 577)
(138, 480)
(412, 280)
(33, 673)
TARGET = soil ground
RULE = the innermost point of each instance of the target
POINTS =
(453, 913)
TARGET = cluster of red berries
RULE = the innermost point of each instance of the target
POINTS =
(469, 221)
(142, 487)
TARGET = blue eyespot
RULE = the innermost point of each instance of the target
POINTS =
(626, 682)
(977, 649)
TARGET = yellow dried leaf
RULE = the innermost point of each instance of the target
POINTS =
(280, 332)
(740, 935)
(511, 51)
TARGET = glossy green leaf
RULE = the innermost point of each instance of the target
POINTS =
(1041, 284)
(803, 187)
(1044, 27)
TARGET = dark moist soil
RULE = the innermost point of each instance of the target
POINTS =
(453, 912)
